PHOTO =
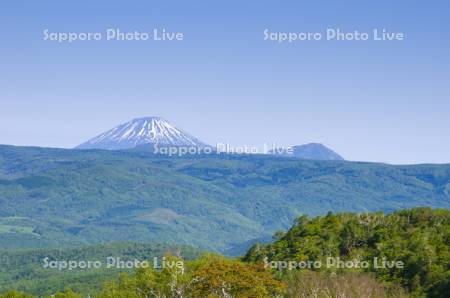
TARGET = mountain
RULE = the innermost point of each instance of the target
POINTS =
(60, 197)
(142, 131)
(315, 151)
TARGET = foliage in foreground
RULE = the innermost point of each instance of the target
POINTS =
(419, 238)
(208, 276)
(215, 276)
(305, 284)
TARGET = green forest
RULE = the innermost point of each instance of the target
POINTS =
(221, 203)
(417, 239)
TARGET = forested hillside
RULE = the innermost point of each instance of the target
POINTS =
(57, 197)
(407, 255)
(47, 271)
(409, 247)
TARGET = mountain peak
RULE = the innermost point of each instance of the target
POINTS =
(316, 151)
(149, 118)
(152, 130)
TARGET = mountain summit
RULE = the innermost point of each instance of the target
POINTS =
(314, 151)
(142, 131)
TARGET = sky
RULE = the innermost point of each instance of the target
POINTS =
(381, 101)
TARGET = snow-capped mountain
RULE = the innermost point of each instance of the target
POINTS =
(142, 131)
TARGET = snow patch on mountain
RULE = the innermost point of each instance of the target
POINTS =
(141, 131)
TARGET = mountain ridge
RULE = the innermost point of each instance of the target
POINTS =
(63, 197)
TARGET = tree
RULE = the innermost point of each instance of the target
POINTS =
(209, 276)
(216, 276)
(15, 294)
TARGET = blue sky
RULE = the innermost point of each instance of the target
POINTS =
(373, 101)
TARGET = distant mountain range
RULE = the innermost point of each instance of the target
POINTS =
(142, 131)
(151, 131)
(61, 197)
